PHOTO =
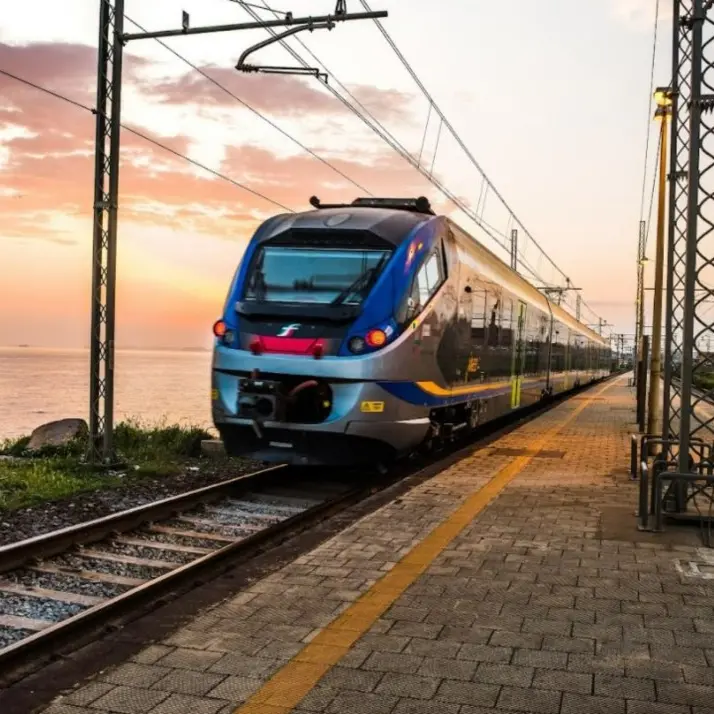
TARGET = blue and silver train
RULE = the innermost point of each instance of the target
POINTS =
(362, 332)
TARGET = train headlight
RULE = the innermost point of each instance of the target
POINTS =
(356, 345)
(376, 338)
(219, 328)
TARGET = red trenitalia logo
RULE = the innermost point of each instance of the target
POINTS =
(288, 330)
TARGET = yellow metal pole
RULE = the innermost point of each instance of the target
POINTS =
(654, 411)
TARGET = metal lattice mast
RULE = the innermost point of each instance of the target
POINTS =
(104, 241)
(678, 201)
(699, 247)
(676, 231)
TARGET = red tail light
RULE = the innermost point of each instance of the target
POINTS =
(220, 328)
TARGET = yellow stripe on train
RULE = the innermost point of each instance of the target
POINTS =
(437, 391)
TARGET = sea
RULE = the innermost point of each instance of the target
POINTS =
(38, 385)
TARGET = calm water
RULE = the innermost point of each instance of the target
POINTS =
(40, 385)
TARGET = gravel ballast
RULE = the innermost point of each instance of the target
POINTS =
(8, 635)
(28, 522)
(65, 582)
(37, 608)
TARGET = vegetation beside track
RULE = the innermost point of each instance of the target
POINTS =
(55, 472)
(704, 380)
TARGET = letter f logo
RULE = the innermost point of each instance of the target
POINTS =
(288, 330)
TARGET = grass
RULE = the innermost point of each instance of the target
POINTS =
(53, 472)
(704, 380)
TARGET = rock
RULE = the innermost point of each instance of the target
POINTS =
(57, 433)
(213, 447)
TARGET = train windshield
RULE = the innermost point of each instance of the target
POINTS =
(324, 276)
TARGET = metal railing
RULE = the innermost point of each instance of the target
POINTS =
(655, 461)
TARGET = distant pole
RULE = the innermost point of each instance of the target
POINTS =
(654, 426)
(640, 300)
(514, 249)
(577, 307)
(622, 348)
(642, 385)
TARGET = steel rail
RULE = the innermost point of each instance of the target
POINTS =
(50, 637)
(15, 555)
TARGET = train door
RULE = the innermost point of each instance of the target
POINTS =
(519, 357)
(566, 367)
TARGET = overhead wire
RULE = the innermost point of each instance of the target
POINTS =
(454, 133)
(652, 194)
(250, 4)
(141, 135)
(252, 109)
(373, 123)
(469, 154)
(649, 108)
(358, 108)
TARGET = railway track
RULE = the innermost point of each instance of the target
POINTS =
(63, 580)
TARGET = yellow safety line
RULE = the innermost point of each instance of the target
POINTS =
(287, 687)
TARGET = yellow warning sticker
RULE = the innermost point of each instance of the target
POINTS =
(372, 407)
(214, 394)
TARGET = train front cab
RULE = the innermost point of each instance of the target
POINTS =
(310, 334)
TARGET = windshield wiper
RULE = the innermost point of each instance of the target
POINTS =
(362, 283)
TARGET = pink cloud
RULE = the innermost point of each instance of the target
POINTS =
(53, 166)
(277, 94)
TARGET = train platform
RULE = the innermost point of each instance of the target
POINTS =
(513, 581)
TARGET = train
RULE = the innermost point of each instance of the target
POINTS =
(361, 333)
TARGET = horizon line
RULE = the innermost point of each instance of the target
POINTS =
(136, 348)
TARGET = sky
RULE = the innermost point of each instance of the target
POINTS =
(551, 99)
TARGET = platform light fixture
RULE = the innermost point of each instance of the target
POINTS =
(663, 97)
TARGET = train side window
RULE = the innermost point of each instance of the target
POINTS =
(443, 260)
(433, 272)
(427, 281)
(478, 315)
(493, 317)
(507, 320)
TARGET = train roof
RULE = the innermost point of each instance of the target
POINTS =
(494, 269)
(389, 219)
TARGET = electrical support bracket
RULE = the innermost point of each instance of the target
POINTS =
(241, 66)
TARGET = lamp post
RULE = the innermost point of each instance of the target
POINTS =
(663, 99)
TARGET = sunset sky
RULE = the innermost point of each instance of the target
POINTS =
(551, 98)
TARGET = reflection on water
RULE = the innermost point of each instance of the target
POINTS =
(39, 385)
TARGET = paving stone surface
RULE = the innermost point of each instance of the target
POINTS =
(549, 601)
